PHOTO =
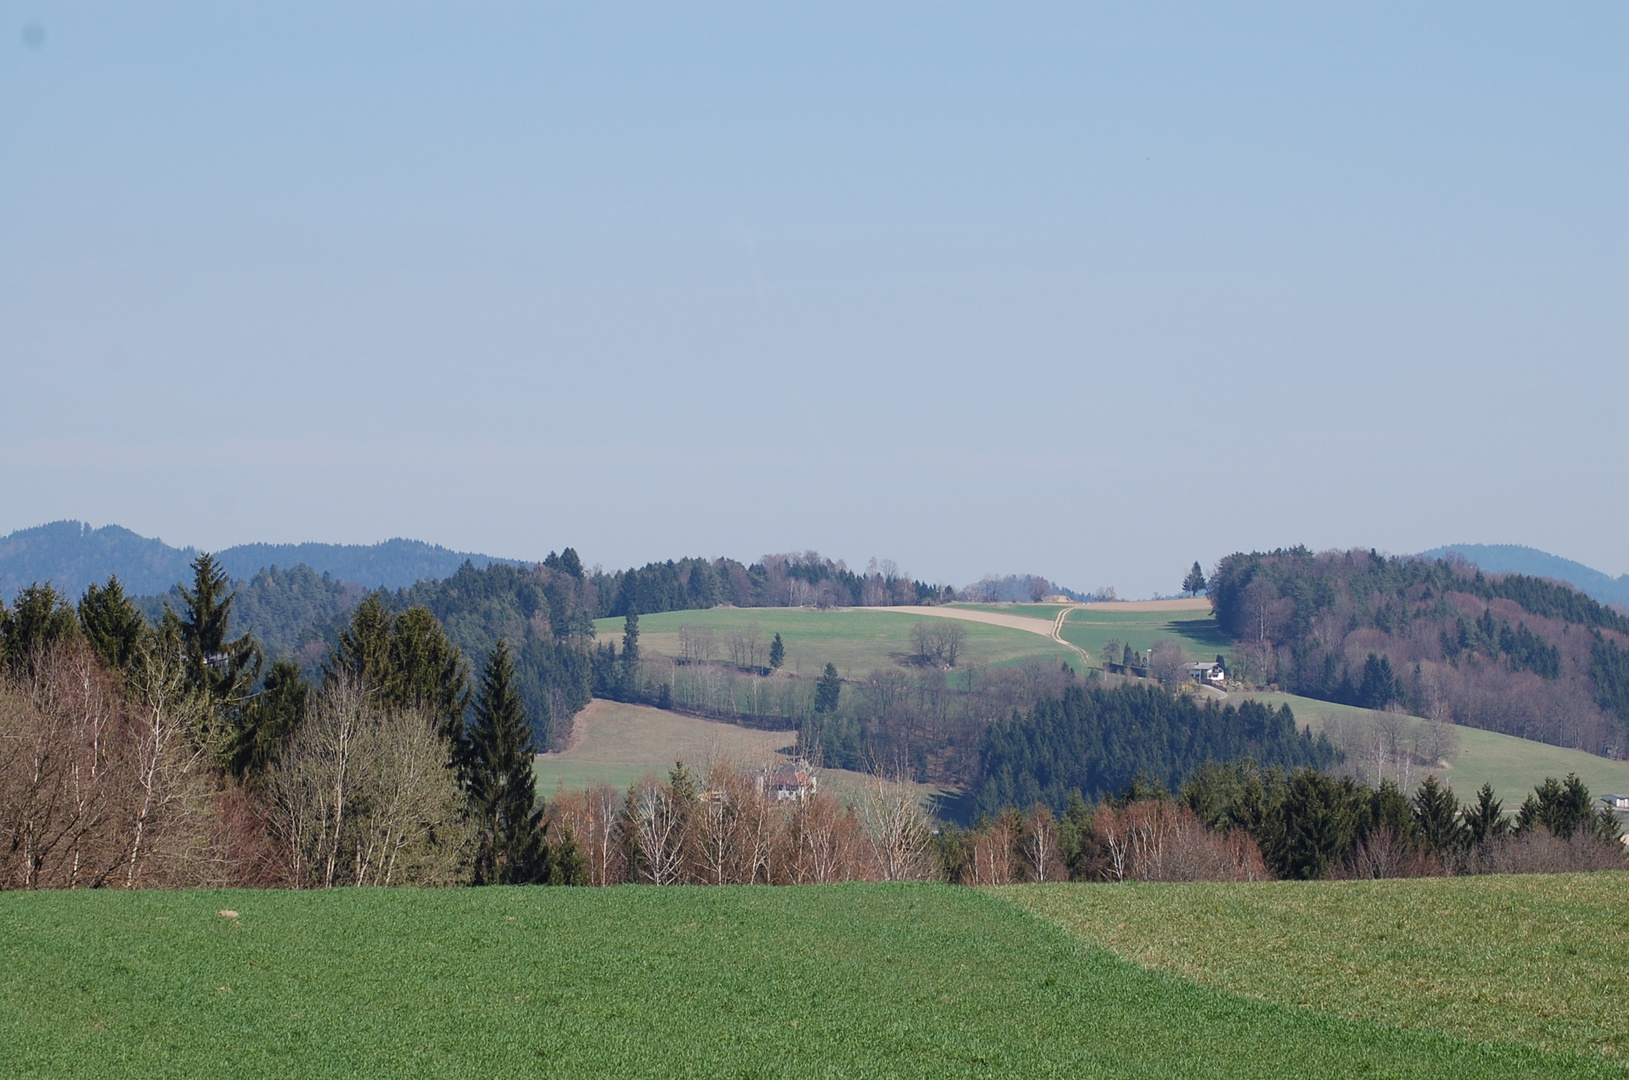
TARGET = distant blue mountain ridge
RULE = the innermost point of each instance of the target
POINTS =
(1516, 559)
(72, 554)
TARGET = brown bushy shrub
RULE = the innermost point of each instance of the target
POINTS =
(1537, 852)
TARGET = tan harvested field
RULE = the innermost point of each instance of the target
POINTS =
(617, 744)
(1027, 623)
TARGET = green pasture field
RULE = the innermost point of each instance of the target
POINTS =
(828, 981)
(1534, 960)
(1196, 632)
(857, 640)
(1513, 766)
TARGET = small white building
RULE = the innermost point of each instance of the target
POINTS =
(794, 780)
(1208, 674)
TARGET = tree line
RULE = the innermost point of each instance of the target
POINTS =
(1240, 821)
(141, 754)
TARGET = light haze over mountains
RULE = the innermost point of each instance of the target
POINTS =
(73, 554)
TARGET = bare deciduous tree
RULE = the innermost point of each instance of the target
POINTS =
(897, 831)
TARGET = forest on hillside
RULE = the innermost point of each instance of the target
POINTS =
(1520, 655)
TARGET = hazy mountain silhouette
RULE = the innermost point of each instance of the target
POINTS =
(1516, 559)
(71, 555)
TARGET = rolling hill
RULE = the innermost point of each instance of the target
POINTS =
(1516, 559)
(73, 554)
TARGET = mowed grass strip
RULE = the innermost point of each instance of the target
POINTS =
(1539, 960)
(841, 981)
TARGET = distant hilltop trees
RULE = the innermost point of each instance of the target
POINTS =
(1511, 653)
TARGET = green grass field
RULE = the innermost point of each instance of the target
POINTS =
(1196, 632)
(856, 640)
(1531, 960)
(1513, 766)
(839, 981)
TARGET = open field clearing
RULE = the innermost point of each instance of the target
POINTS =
(1195, 631)
(618, 744)
(1526, 960)
(841, 981)
(857, 640)
(1513, 766)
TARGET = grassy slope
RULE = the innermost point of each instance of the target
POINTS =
(1196, 632)
(1535, 960)
(847, 981)
(1513, 766)
(621, 743)
(857, 641)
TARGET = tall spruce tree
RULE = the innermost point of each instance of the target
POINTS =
(1436, 816)
(828, 689)
(40, 618)
(628, 673)
(1194, 583)
(112, 624)
(224, 668)
(777, 653)
(271, 718)
(404, 661)
(1485, 821)
(502, 785)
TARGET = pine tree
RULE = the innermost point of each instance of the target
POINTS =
(1561, 807)
(405, 661)
(223, 668)
(827, 690)
(40, 618)
(271, 718)
(777, 653)
(1312, 826)
(502, 785)
(1436, 818)
(628, 672)
(1194, 583)
(113, 625)
(1486, 820)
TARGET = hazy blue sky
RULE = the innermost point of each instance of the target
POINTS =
(1088, 291)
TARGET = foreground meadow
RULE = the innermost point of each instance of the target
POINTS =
(1533, 959)
(850, 981)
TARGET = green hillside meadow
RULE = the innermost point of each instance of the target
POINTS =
(855, 639)
(840, 981)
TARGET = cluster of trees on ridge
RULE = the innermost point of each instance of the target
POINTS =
(1514, 654)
